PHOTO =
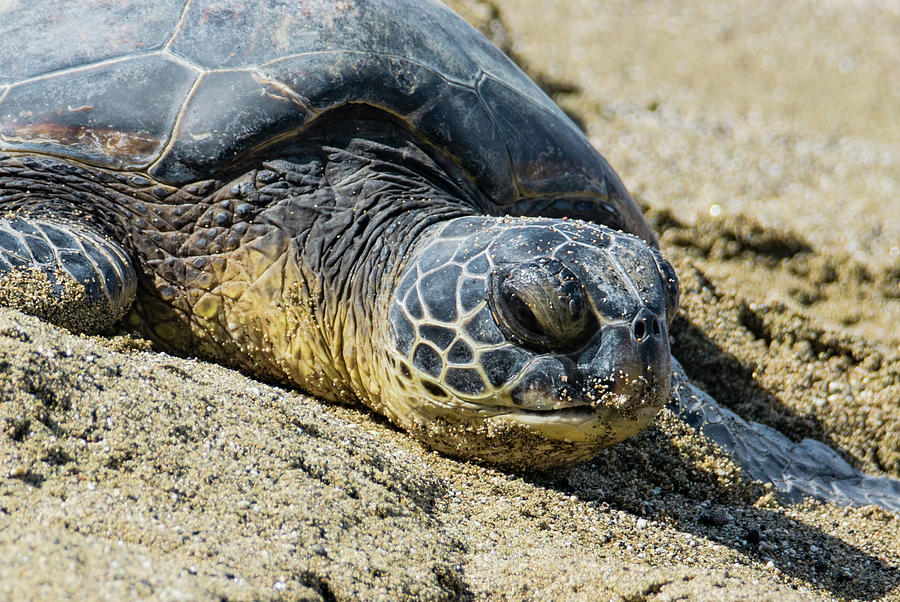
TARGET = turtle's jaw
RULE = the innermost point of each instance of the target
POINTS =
(529, 438)
(591, 427)
(562, 409)
(596, 416)
(608, 392)
(599, 414)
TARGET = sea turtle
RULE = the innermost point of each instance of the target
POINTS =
(364, 198)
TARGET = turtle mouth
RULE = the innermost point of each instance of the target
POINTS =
(564, 407)
(590, 411)
(576, 412)
(561, 386)
(586, 424)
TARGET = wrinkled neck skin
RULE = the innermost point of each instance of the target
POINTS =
(390, 198)
(275, 269)
(311, 241)
(386, 192)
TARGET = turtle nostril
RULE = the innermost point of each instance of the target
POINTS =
(639, 330)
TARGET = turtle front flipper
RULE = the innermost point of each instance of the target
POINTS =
(65, 273)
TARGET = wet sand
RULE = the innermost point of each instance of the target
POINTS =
(764, 144)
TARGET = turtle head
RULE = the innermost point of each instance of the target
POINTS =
(528, 341)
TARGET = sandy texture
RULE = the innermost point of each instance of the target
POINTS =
(133, 473)
(128, 473)
(788, 114)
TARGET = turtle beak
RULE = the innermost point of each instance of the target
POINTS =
(634, 359)
(612, 390)
(625, 368)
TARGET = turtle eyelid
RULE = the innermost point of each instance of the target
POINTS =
(540, 305)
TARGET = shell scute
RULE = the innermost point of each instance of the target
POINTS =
(63, 35)
(563, 161)
(79, 114)
(226, 34)
(460, 121)
(227, 115)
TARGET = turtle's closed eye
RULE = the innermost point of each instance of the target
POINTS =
(542, 304)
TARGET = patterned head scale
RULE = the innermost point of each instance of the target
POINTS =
(545, 332)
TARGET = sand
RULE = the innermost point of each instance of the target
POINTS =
(762, 141)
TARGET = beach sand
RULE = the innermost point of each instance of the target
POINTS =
(763, 142)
